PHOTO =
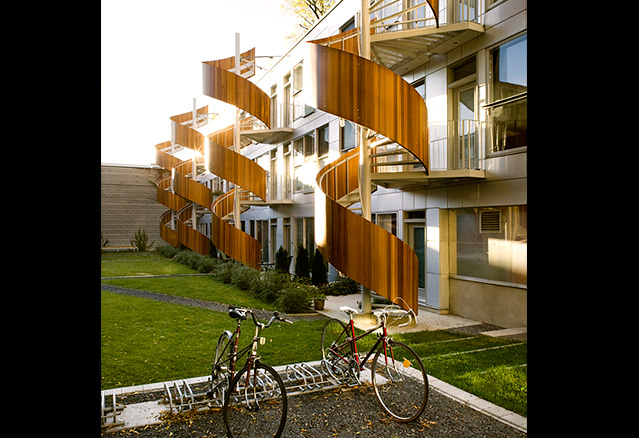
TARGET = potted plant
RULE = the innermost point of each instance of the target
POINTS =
(318, 299)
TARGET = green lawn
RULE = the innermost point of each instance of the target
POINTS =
(145, 263)
(147, 341)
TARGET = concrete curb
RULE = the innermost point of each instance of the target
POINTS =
(504, 415)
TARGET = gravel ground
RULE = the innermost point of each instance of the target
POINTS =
(345, 413)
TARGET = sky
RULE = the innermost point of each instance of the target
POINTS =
(151, 55)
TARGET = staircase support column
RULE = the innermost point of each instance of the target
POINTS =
(364, 152)
(236, 137)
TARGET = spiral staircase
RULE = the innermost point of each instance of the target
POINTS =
(378, 100)
(185, 193)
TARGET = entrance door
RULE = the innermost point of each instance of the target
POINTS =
(417, 241)
(465, 127)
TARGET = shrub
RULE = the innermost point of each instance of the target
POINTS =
(281, 260)
(223, 271)
(271, 284)
(294, 298)
(320, 276)
(343, 286)
(167, 251)
(205, 264)
(141, 240)
(186, 257)
(301, 264)
(243, 277)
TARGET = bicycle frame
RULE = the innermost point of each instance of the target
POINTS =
(233, 358)
(352, 340)
(252, 358)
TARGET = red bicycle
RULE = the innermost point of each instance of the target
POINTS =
(398, 375)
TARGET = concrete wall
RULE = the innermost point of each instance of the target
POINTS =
(501, 305)
(128, 201)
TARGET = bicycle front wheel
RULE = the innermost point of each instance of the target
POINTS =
(336, 358)
(256, 403)
(400, 381)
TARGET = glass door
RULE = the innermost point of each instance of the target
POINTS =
(417, 241)
(465, 127)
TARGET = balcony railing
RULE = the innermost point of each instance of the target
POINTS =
(282, 116)
(453, 145)
(395, 15)
(457, 144)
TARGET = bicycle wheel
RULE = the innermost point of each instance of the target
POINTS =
(256, 403)
(336, 359)
(219, 374)
(223, 348)
(400, 381)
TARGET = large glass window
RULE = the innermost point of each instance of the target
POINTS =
(492, 243)
(347, 135)
(387, 221)
(322, 141)
(508, 107)
(305, 162)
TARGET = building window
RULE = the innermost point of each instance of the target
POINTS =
(508, 107)
(322, 141)
(347, 135)
(305, 162)
(387, 221)
(420, 86)
(287, 112)
(493, 250)
(305, 234)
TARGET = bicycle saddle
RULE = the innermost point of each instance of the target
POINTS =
(237, 314)
(348, 310)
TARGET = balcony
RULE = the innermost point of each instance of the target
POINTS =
(405, 33)
(456, 152)
(281, 119)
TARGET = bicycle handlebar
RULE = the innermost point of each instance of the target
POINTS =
(243, 311)
(410, 313)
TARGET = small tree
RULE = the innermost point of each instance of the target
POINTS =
(103, 240)
(320, 276)
(302, 267)
(281, 260)
(140, 241)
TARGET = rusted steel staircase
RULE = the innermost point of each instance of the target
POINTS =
(233, 87)
(181, 192)
(373, 97)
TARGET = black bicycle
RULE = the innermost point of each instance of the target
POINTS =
(255, 401)
(398, 375)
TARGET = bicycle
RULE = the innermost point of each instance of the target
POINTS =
(398, 375)
(255, 401)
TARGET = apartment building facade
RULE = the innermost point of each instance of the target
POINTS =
(464, 212)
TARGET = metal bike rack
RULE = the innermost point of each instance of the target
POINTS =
(110, 412)
(190, 395)
(299, 378)
(180, 397)
(303, 378)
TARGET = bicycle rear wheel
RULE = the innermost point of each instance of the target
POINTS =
(256, 403)
(400, 381)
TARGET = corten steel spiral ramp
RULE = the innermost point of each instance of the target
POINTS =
(181, 192)
(370, 95)
(233, 87)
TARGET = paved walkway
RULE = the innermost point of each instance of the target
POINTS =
(425, 320)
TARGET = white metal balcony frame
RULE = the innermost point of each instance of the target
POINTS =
(406, 33)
